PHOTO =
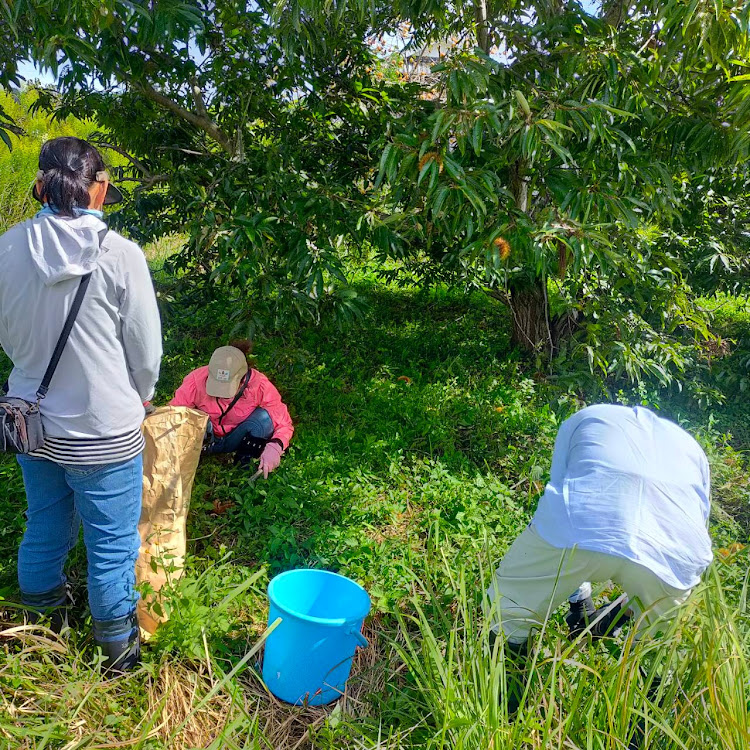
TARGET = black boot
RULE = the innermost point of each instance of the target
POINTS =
(579, 616)
(609, 626)
(120, 642)
(53, 605)
(612, 621)
(516, 657)
(516, 661)
(638, 731)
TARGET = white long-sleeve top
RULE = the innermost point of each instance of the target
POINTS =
(628, 483)
(110, 364)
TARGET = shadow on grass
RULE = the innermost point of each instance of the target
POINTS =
(418, 416)
(411, 418)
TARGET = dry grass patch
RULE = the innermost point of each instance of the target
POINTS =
(294, 727)
(52, 695)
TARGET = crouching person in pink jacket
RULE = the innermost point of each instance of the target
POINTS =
(246, 414)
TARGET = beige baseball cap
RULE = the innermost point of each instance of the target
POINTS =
(225, 372)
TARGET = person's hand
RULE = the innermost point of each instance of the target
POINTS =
(149, 407)
(270, 458)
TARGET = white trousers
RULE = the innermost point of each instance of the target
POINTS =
(535, 578)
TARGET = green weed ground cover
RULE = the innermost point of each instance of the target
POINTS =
(421, 444)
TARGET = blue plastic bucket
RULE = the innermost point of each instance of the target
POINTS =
(309, 655)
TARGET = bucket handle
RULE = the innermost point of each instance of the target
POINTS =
(362, 642)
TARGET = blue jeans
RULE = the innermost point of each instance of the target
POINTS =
(259, 424)
(106, 498)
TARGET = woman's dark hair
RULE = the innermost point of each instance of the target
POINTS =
(245, 346)
(70, 166)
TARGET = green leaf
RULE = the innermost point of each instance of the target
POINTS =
(454, 86)
(607, 108)
(473, 197)
(384, 159)
(428, 165)
(476, 136)
(441, 194)
(625, 137)
(453, 168)
(554, 125)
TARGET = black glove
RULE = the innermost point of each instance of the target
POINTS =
(251, 447)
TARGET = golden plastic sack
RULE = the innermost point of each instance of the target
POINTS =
(174, 437)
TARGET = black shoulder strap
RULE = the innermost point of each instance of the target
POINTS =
(237, 396)
(69, 321)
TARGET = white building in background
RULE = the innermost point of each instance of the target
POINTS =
(419, 62)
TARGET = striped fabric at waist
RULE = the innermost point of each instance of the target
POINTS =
(91, 451)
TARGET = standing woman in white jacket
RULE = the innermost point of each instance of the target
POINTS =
(89, 470)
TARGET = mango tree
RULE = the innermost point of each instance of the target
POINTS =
(548, 160)
(257, 134)
(554, 153)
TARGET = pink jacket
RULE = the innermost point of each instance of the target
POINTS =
(260, 391)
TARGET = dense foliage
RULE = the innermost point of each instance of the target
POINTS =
(553, 169)
(569, 161)
(257, 139)
(422, 440)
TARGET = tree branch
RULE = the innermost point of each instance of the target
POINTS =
(614, 11)
(202, 122)
(200, 105)
(148, 179)
(481, 19)
(137, 163)
(155, 179)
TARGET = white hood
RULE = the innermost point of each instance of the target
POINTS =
(64, 248)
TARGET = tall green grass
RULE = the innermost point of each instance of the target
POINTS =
(687, 689)
(434, 684)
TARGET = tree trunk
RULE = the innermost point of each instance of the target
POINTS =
(530, 317)
(519, 185)
(614, 12)
(481, 18)
(534, 329)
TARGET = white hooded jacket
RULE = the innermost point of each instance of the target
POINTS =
(110, 364)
